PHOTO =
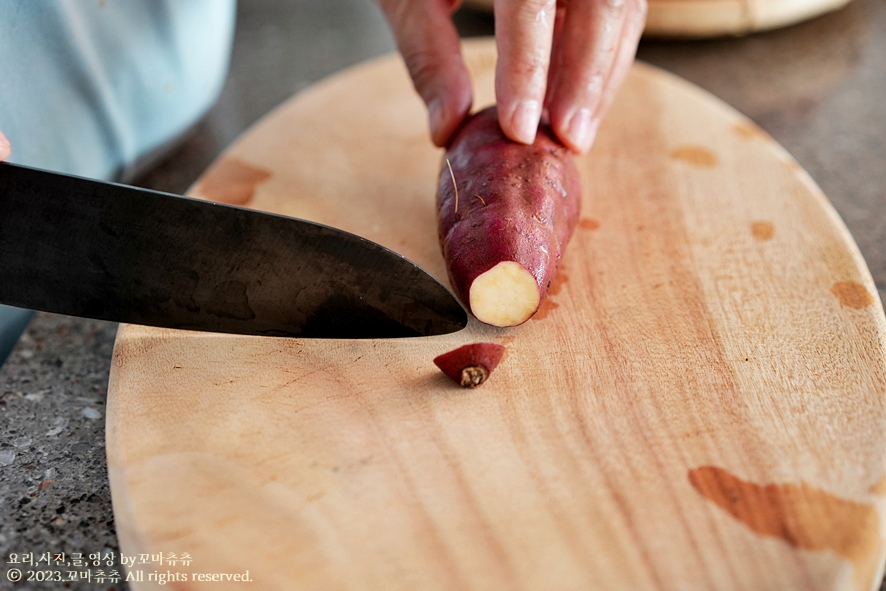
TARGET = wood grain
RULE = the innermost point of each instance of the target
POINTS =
(699, 405)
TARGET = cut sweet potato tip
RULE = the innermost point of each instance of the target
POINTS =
(505, 295)
(470, 365)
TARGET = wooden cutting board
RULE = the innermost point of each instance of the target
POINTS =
(698, 405)
(714, 18)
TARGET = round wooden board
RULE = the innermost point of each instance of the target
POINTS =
(714, 18)
(699, 404)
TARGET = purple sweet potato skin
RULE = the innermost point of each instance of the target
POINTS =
(485, 355)
(527, 209)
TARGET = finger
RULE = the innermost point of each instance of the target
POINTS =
(523, 35)
(556, 52)
(588, 48)
(430, 46)
(627, 50)
(5, 147)
(599, 36)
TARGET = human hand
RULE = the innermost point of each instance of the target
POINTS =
(564, 57)
(5, 148)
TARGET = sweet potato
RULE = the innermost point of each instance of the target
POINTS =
(505, 213)
(470, 365)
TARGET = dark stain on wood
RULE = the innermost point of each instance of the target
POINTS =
(879, 487)
(233, 181)
(696, 155)
(762, 231)
(800, 514)
(852, 294)
(548, 304)
(588, 224)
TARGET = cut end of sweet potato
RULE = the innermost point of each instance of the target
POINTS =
(505, 295)
(470, 365)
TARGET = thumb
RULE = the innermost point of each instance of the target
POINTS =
(430, 46)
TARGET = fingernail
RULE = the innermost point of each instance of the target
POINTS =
(525, 120)
(582, 129)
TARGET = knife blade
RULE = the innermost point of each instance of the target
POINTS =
(108, 251)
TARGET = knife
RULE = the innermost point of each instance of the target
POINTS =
(108, 251)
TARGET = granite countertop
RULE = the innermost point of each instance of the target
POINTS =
(819, 88)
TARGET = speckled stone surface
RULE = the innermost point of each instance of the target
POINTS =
(819, 88)
(54, 494)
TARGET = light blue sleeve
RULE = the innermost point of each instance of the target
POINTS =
(89, 87)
